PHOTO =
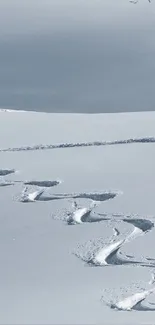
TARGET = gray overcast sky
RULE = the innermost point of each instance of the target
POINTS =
(77, 56)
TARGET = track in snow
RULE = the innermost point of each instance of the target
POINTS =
(79, 215)
(144, 225)
(108, 255)
(30, 197)
(80, 144)
(6, 183)
(101, 254)
(134, 301)
(97, 253)
(5, 172)
(41, 196)
(84, 215)
(43, 183)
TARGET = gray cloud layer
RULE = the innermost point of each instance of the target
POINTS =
(100, 59)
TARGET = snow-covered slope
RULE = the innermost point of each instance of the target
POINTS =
(77, 218)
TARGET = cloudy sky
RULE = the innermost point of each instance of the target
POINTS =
(77, 55)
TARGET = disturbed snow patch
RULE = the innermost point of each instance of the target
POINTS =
(78, 215)
(129, 299)
(6, 183)
(30, 197)
(101, 253)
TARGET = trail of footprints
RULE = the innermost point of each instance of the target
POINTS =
(97, 252)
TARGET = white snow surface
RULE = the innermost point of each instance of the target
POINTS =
(131, 301)
(41, 280)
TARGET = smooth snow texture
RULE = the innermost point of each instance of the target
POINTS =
(39, 274)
